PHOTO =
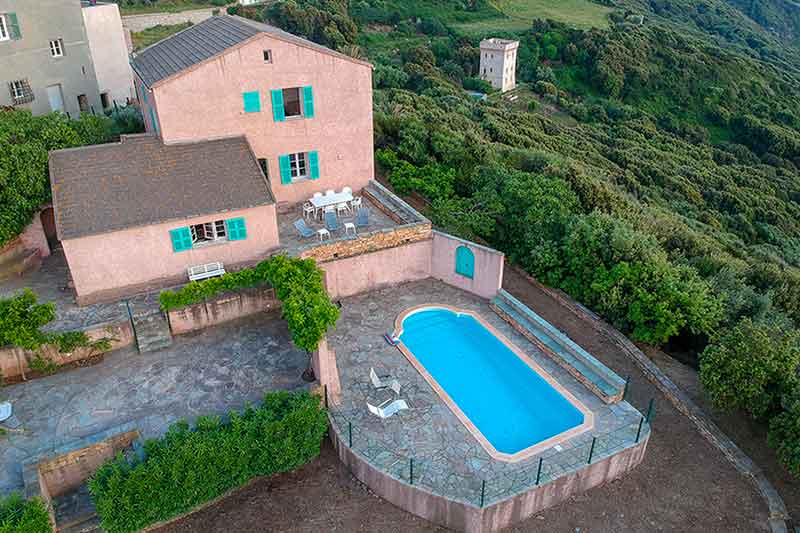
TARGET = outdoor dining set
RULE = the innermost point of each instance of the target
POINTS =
(328, 208)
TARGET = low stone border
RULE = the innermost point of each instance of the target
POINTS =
(779, 519)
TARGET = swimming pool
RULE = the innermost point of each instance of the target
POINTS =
(512, 406)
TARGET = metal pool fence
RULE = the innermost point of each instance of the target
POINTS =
(441, 478)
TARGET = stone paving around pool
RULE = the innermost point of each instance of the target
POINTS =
(214, 371)
(448, 460)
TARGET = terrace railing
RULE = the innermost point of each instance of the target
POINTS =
(440, 478)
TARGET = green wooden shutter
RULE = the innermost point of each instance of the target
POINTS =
(308, 102)
(252, 102)
(277, 106)
(144, 93)
(13, 26)
(313, 165)
(237, 231)
(181, 239)
(154, 120)
(465, 262)
(286, 169)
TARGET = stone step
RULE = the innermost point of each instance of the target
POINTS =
(152, 332)
(75, 511)
(563, 350)
(19, 262)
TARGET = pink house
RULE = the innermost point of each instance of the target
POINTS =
(137, 214)
(306, 110)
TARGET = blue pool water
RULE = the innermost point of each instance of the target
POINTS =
(509, 403)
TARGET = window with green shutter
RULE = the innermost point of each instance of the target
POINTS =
(465, 262)
(286, 169)
(313, 165)
(13, 26)
(181, 239)
(237, 231)
(277, 106)
(308, 102)
(252, 102)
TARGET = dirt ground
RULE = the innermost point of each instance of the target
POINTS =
(684, 484)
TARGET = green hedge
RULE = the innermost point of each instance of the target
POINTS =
(188, 467)
(23, 516)
(298, 284)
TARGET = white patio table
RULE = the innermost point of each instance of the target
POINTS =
(321, 202)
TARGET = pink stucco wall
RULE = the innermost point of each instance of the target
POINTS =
(488, 276)
(361, 273)
(206, 101)
(137, 256)
(33, 237)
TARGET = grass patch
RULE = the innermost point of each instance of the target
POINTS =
(445, 10)
(517, 15)
(166, 6)
(143, 39)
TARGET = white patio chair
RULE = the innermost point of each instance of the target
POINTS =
(347, 190)
(355, 203)
(343, 207)
(309, 209)
(387, 408)
(330, 192)
(317, 195)
(379, 384)
(5, 411)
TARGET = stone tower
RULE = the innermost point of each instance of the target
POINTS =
(499, 63)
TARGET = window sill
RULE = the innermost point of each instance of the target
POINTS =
(302, 179)
(297, 117)
(209, 244)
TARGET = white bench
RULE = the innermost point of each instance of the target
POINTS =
(209, 270)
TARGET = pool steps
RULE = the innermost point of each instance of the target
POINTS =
(583, 366)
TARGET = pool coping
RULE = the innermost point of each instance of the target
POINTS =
(588, 416)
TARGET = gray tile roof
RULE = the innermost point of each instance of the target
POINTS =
(141, 181)
(206, 39)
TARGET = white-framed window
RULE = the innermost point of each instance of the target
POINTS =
(208, 232)
(267, 56)
(57, 48)
(4, 34)
(298, 165)
(17, 90)
(21, 91)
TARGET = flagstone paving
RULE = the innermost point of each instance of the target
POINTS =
(447, 458)
(214, 371)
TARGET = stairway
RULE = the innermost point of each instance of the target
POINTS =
(75, 512)
(16, 260)
(152, 332)
(584, 367)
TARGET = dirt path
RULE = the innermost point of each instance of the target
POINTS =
(684, 484)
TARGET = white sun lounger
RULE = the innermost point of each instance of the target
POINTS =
(380, 384)
(5, 411)
(387, 409)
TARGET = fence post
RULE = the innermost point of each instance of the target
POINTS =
(411, 471)
(649, 410)
(350, 433)
(639, 431)
(591, 451)
(625, 389)
(539, 470)
(483, 491)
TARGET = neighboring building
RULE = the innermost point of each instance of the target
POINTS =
(306, 110)
(133, 215)
(45, 62)
(109, 53)
(250, 2)
(499, 63)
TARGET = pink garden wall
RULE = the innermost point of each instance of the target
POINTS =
(340, 130)
(488, 277)
(107, 265)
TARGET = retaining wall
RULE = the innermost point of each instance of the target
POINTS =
(148, 20)
(223, 308)
(488, 277)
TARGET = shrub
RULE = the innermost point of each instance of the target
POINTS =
(750, 367)
(188, 467)
(23, 516)
(477, 84)
(784, 434)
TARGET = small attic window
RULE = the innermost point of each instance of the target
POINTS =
(267, 56)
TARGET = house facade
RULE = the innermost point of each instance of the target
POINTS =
(498, 63)
(306, 110)
(135, 215)
(45, 61)
(109, 49)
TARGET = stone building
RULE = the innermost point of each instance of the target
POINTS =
(499, 63)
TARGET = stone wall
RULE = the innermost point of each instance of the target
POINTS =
(488, 275)
(120, 333)
(326, 371)
(368, 242)
(223, 308)
(69, 471)
(142, 22)
(33, 236)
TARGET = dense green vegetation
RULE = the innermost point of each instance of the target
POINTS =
(24, 143)
(190, 466)
(23, 516)
(648, 169)
(298, 284)
(138, 7)
(143, 39)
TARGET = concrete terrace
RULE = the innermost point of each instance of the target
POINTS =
(448, 460)
(213, 371)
